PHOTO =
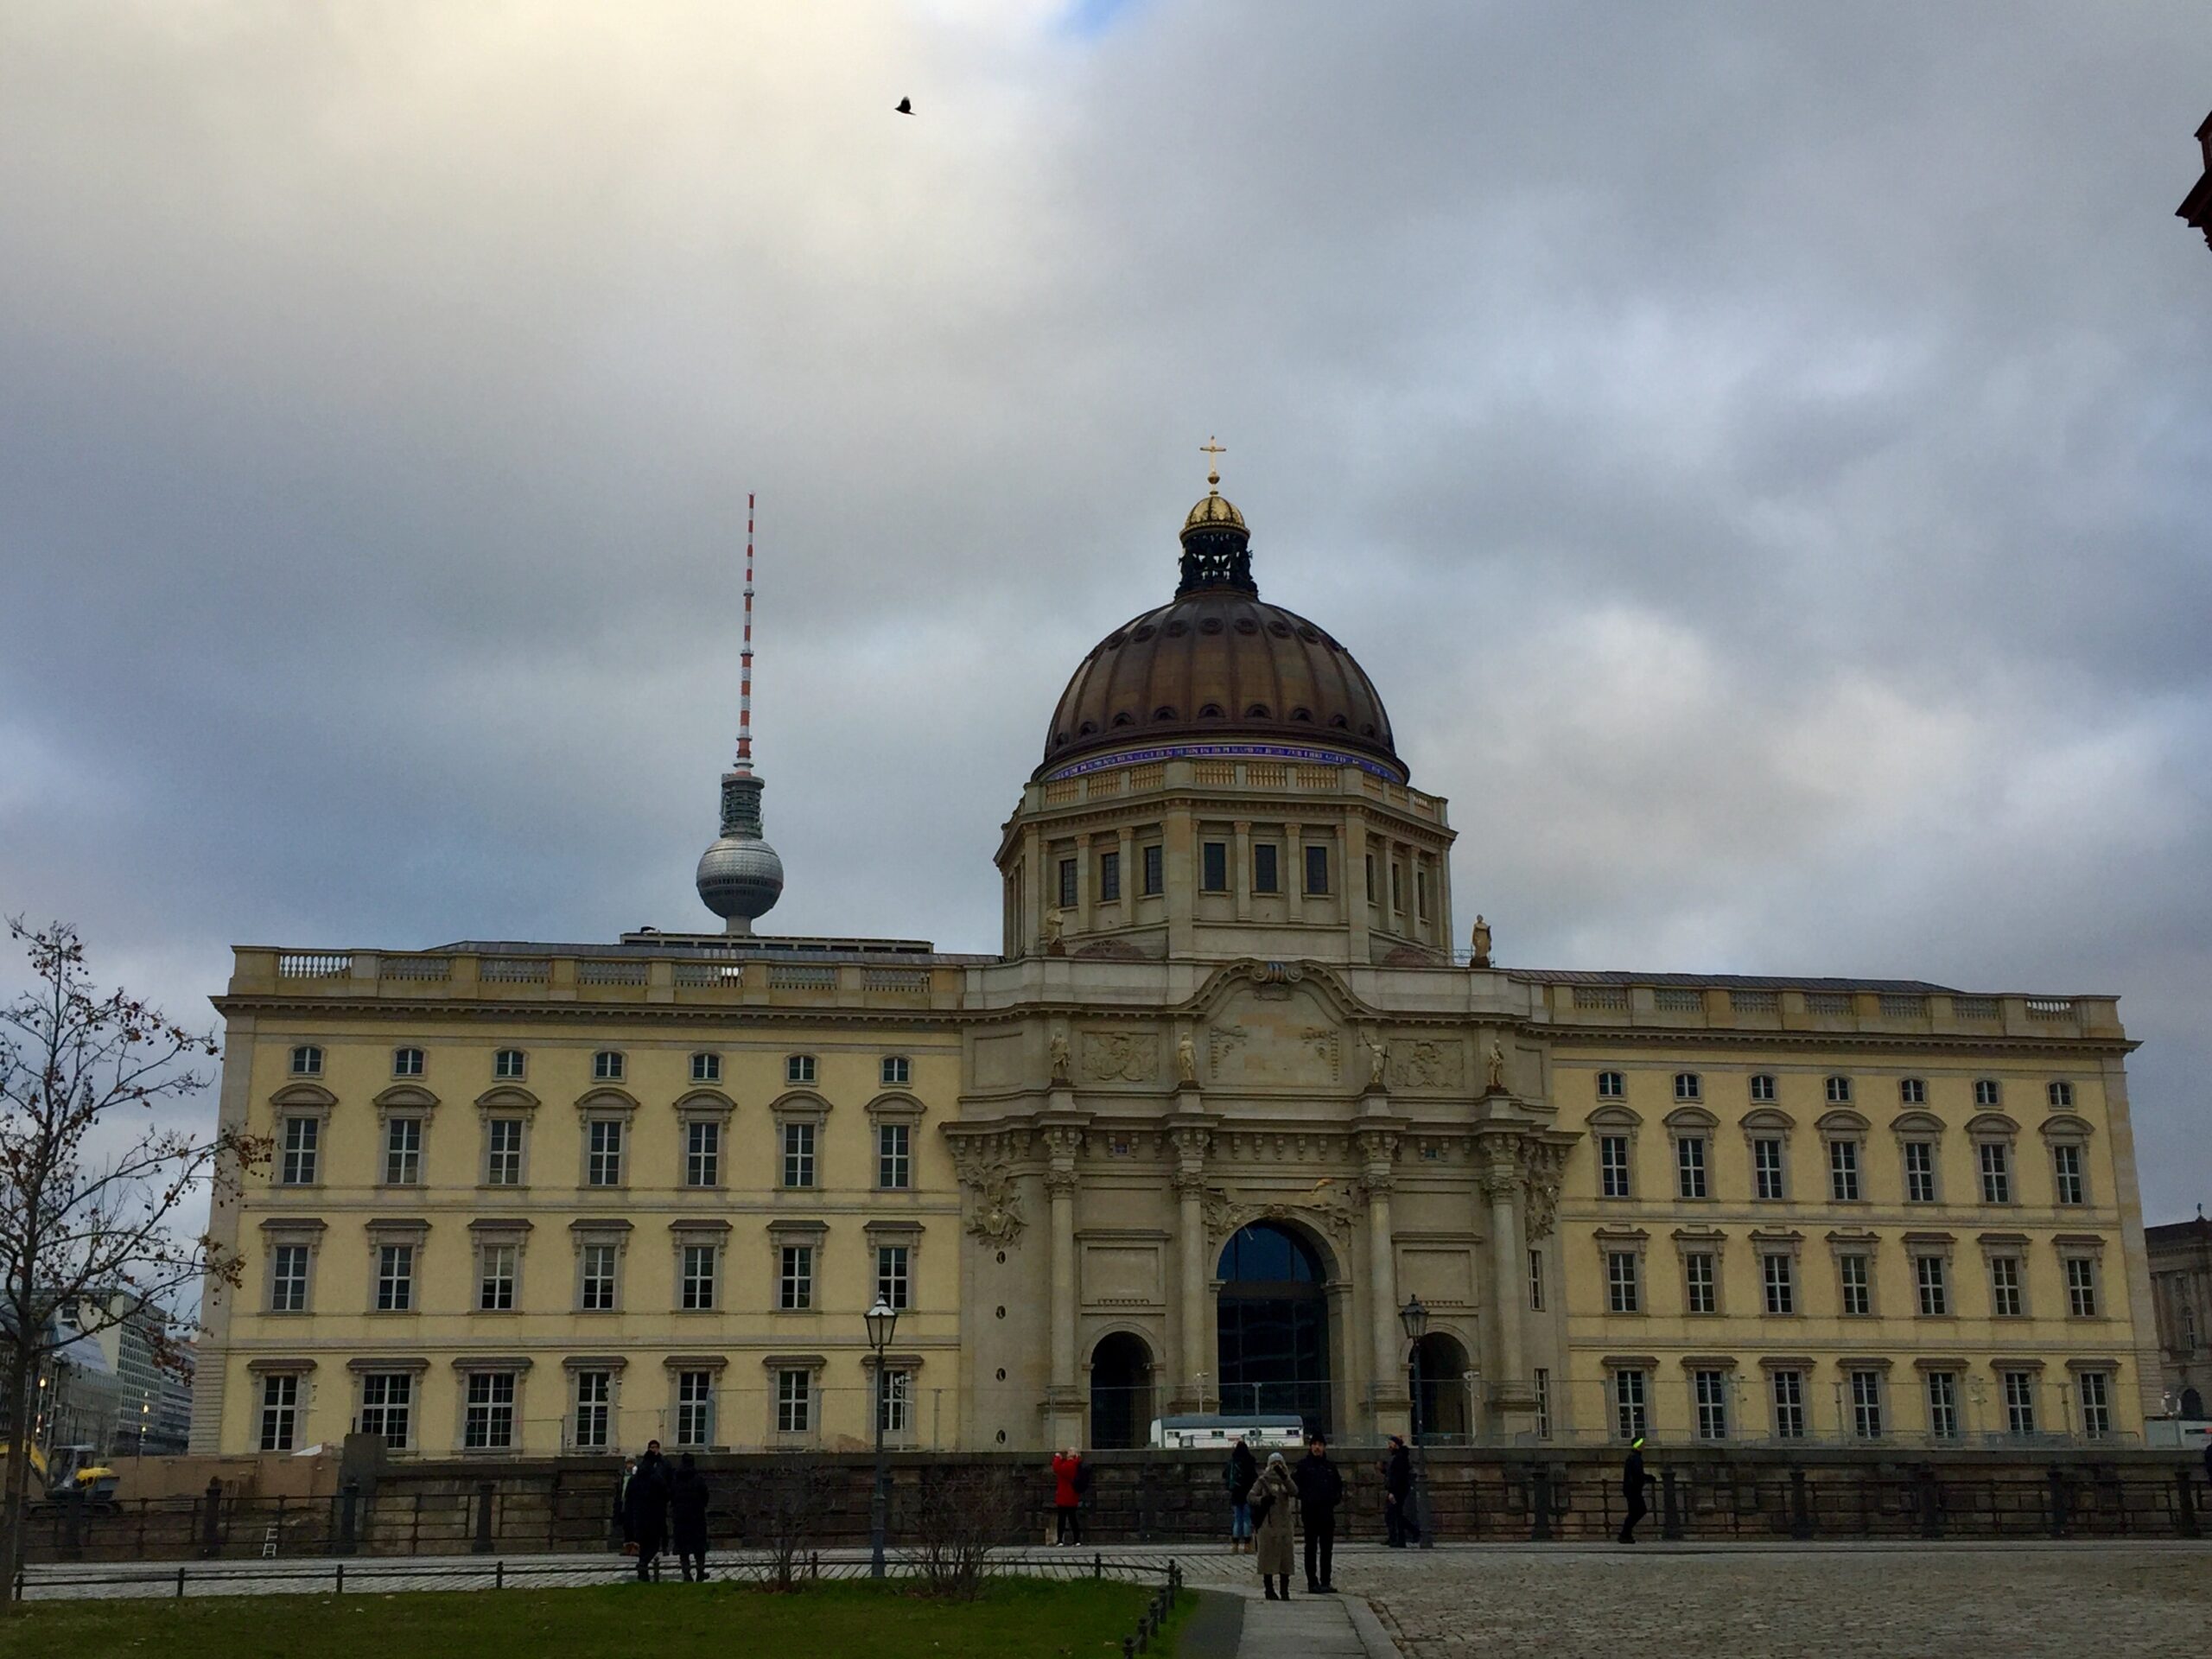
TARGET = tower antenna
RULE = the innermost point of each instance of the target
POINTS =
(745, 654)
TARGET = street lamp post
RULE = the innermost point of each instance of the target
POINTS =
(1414, 1316)
(882, 1320)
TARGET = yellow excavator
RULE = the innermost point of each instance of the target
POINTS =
(68, 1472)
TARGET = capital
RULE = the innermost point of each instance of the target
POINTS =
(1060, 1183)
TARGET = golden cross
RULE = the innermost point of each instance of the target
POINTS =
(1210, 447)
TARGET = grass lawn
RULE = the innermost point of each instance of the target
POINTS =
(1016, 1618)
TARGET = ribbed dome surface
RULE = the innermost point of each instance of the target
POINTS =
(1218, 664)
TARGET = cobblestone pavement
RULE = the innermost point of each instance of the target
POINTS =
(1840, 1602)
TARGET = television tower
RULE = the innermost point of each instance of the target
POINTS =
(740, 876)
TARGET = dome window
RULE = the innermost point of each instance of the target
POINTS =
(1091, 726)
(1163, 714)
(1337, 721)
(1246, 624)
(1305, 716)
(1177, 628)
(1113, 641)
(1367, 731)
(1211, 624)
(1144, 633)
(1125, 718)
(1258, 711)
(1280, 630)
(1311, 635)
(1212, 711)
(1060, 737)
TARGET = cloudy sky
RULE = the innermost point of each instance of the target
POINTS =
(1763, 453)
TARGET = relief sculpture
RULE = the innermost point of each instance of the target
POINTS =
(1418, 1063)
(1121, 1056)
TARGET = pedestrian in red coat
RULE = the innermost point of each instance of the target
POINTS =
(1067, 1495)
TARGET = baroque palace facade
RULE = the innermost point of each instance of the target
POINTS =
(1225, 1100)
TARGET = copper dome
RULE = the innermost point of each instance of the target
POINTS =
(1220, 665)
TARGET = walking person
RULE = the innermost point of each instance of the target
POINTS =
(1241, 1471)
(1320, 1488)
(687, 1509)
(1633, 1481)
(1270, 1499)
(645, 1507)
(1398, 1522)
(1068, 1482)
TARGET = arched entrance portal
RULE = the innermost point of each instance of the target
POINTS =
(1273, 1325)
(1121, 1391)
(1443, 1398)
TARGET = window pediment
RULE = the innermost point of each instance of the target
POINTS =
(1841, 1122)
(1991, 1125)
(2067, 1126)
(1615, 1117)
(705, 1103)
(1690, 1117)
(507, 1098)
(1769, 1119)
(604, 1102)
(895, 1106)
(799, 1106)
(1923, 1123)
(311, 1095)
(406, 1098)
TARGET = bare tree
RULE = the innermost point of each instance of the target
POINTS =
(92, 1184)
(959, 1514)
(793, 1488)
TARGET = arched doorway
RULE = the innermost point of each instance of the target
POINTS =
(1273, 1325)
(1121, 1391)
(1443, 1398)
(2192, 1404)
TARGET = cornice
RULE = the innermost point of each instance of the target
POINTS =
(1963, 1042)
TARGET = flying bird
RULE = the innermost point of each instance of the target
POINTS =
(905, 106)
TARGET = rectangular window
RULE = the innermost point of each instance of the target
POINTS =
(1629, 1393)
(603, 1154)
(1621, 1281)
(1781, 1284)
(2020, 1402)
(497, 1267)
(2081, 1287)
(1935, 1294)
(1398, 889)
(1986, 1093)
(798, 1154)
(891, 1283)
(598, 1279)
(303, 1142)
(595, 1410)
(1996, 1173)
(506, 1065)
(287, 1279)
(1213, 863)
(1535, 1281)
(2005, 1301)
(607, 1066)
(1843, 1170)
(1543, 1403)
(894, 1163)
(1762, 1089)
(1689, 1166)
(1701, 1289)
(1687, 1087)
(1912, 1091)
(894, 1400)
(702, 1154)
(1317, 869)
(1109, 878)
(2060, 1095)
(1420, 894)
(1944, 1405)
(1920, 1171)
(2096, 1405)
(1856, 1274)
(798, 1068)
(1766, 1167)
(1867, 1405)
(897, 1072)
(1611, 1086)
(1788, 1391)
(1368, 862)
(696, 1292)
(794, 1402)
(1839, 1092)
(1067, 874)
(1265, 876)
(795, 1277)
(395, 1278)
(1710, 1389)
(388, 1407)
(695, 1408)
(1612, 1165)
(503, 1152)
(488, 1417)
(2066, 1174)
(706, 1068)
(306, 1062)
(403, 1152)
(280, 1413)
(406, 1062)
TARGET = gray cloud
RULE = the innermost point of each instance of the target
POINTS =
(1762, 455)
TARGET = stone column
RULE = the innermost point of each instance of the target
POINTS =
(1195, 1346)
(1378, 1148)
(1124, 847)
(1064, 1401)
(1353, 879)
(1295, 877)
(1240, 872)
(1513, 1397)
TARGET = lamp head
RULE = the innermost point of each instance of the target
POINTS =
(1416, 1318)
(882, 1320)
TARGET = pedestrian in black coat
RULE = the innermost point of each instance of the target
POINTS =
(687, 1508)
(1242, 1472)
(1398, 1522)
(1320, 1488)
(1633, 1481)
(645, 1507)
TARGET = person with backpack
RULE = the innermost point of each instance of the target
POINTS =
(1239, 1475)
(1070, 1478)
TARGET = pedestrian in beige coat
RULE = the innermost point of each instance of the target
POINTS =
(1274, 1534)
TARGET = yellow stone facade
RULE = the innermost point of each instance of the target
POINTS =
(1227, 1026)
